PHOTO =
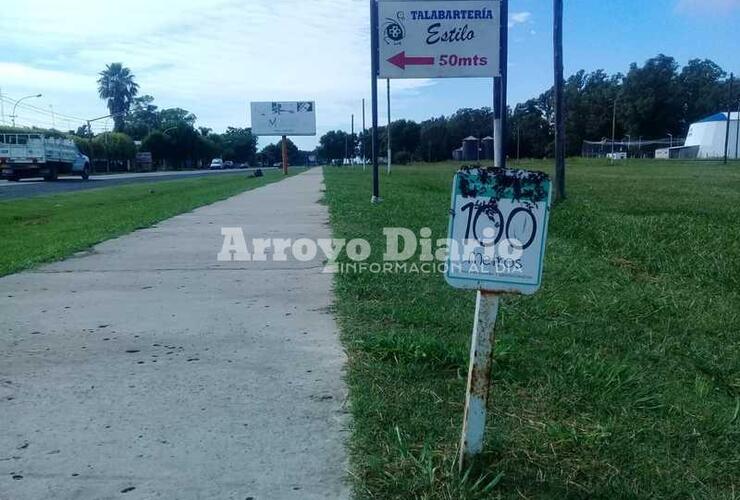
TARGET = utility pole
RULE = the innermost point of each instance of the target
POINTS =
(518, 142)
(729, 117)
(352, 140)
(559, 114)
(737, 132)
(364, 137)
(614, 124)
(388, 97)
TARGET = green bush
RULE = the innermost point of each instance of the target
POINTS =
(402, 158)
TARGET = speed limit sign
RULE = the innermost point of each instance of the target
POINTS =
(498, 230)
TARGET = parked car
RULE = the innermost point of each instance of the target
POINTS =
(229, 164)
(217, 164)
(244, 165)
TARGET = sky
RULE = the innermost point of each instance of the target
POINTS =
(214, 57)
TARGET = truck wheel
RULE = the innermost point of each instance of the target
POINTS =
(86, 172)
(52, 175)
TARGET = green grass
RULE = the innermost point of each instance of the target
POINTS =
(48, 228)
(619, 379)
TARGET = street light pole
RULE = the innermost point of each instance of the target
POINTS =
(388, 131)
(737, 132)
(364, 137)
(18, 102)
(614, 124)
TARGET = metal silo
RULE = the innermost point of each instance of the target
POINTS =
(470, 148)
(487, 148)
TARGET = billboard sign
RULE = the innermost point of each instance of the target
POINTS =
(284, 118)
(439, 39)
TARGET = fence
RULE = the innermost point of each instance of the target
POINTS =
(633, 148)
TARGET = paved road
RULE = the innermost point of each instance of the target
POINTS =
(147, 367)
(32, 187)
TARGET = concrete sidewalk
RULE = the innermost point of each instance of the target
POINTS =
(146, 369)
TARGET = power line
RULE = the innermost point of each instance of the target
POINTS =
(48, 114)
(32, 121)
(29, 107)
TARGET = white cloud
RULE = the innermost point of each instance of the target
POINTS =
(209, 57)
(519, 18)
(17, 75)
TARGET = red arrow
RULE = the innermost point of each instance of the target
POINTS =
(402, 61)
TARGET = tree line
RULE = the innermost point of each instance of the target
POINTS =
(653, 101)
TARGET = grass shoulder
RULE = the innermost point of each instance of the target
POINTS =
(619, 379)
(43, 229)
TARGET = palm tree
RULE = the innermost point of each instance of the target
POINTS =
(117, 86)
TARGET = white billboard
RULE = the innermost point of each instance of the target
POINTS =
(439, 39)
(284, 118)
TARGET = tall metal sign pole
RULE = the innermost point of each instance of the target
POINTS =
(374, 68)
(559, 114)
(504, 77)
(498, 136)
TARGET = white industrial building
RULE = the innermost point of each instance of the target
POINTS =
(706, 139)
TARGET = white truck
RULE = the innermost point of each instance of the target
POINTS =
(25, 155)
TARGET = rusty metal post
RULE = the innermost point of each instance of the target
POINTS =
(284, 143)
(479, 377)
